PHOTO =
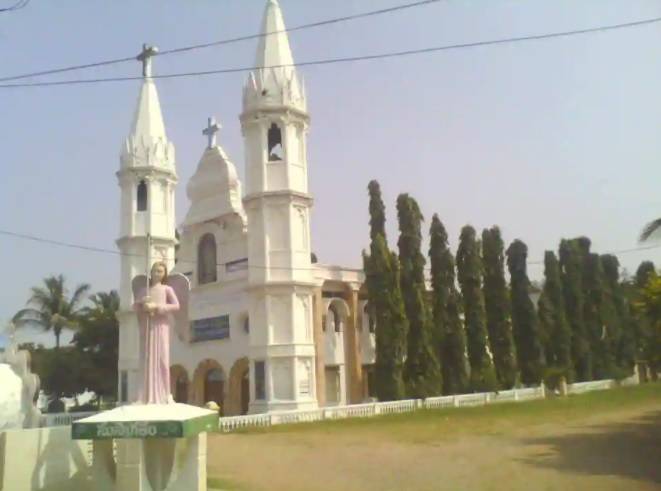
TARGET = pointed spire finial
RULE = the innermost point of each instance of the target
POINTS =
(210, 131)
(273, 48)
(145, 57)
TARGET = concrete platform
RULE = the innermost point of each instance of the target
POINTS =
(146, 421)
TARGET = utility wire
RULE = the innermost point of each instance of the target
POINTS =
(17, 6)
(126, 254)
(394, 54)
(119, 253)
(224, 41)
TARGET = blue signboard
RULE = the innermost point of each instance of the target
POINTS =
(212, 328)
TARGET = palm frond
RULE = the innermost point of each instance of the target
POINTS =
(77, 295)
(650, 229)
(31, 316)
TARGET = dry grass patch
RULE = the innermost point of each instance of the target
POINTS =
(603, 440)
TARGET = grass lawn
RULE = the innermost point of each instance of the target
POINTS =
(606, 440)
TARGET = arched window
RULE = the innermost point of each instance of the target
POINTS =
(206, 260)
(246, 324)
(333, 319)
(274, 137)
(142, 196)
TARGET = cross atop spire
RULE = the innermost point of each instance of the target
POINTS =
(145, 57)
(210, 131)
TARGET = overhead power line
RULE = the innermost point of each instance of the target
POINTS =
(17, 6)
(114, 252)
(224, 41)
(394, 54)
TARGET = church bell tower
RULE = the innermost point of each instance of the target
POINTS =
(147, 178)
(274, 123)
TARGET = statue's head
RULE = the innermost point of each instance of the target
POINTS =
(159, 273)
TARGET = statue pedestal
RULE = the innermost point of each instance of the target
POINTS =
(154, 447)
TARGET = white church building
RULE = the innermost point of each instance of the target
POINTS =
(269, 329)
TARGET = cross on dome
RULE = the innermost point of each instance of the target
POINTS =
(210, 131)
(145, 57)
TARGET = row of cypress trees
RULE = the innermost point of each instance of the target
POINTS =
(588, 324)
(581, 329)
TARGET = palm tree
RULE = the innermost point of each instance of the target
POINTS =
(649, 229)
(50, 307)
(97, 337)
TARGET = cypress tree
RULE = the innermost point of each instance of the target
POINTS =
(644, 329)
(625, 342)
(524, 318)
(644, 273)
(496, 301)
(599, 318)
(469, 272)
(448, 333)
(422, 372)
(385, 304)
(390, 322)
(553, 319)
(545, 321)
(377, 210)
(571, 264)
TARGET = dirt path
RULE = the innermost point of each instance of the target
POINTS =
(620, 450)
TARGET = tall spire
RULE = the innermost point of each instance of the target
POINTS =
(275, 81)
(148, 119)
(273, 49)
(147, 143)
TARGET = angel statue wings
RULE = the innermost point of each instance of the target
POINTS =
(160, 306)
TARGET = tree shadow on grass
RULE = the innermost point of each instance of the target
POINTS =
(630, 450)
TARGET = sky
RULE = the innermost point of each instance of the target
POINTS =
(546, 139)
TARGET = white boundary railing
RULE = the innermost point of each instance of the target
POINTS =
(63, 419)
(367, 410)
(582, 387)
(392, 407)
(376, 408)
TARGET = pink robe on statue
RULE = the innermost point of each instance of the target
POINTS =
(155, 344)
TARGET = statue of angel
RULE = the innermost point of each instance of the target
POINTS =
(159, 308)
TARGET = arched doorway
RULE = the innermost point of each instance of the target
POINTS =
(209, 384)
(214, 386)
(245, 392)
(179, 383)
(238, 399)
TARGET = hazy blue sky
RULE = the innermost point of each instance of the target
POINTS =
(547, 139)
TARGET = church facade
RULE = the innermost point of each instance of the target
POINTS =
(269, 328)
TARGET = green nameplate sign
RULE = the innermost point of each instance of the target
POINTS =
(99, 430)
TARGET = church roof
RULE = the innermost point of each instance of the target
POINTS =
(214, 190)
